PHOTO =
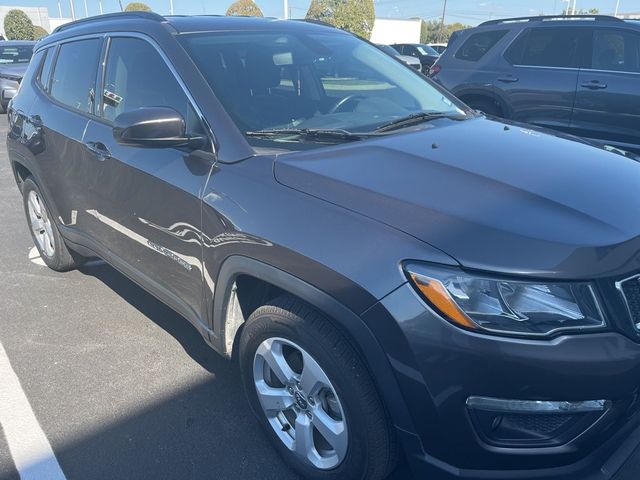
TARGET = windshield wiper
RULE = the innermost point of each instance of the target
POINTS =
(313, 133)
(416, 118)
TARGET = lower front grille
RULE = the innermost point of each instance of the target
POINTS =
(630, 290)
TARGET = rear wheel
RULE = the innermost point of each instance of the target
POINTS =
(313, 395)
(44, 230)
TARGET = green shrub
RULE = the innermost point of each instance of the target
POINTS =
(39, 32)
(246, 8)
(355, 16)
(137, 7)
(18, 26)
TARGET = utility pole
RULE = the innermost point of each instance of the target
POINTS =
(444, 13)
(286, 9)
(73, 11)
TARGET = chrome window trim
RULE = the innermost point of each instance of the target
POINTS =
(102, 65)
(619, 285)
(597, 70)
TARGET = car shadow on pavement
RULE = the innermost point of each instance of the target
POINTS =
(162, 315)
(206, 431)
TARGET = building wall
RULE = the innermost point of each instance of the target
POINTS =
(38, 15)
(390, 30)
(55, 22)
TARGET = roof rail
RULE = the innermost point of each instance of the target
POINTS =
(541, 18)
(314, 21)
(109, 16)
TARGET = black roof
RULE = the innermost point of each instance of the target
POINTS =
(190, 23)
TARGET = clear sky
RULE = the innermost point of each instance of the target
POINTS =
(466, 11)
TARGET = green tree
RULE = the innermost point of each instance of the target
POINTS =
(39, 32)
(18, 26)
(355, 16)
(137, 7)
(244, 8)
(432, 31)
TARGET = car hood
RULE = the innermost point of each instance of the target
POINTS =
(15, 69)
(494, 196)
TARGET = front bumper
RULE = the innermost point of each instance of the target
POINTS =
(449, 365)
(8, 90)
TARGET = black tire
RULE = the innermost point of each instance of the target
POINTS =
(372, 450)
(486, 106)
(62, 259)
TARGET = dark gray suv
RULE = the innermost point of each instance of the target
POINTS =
(398, 276)
(575, 74)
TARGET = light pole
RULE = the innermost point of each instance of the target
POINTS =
(86, 10)
(617, 8)
(73, 11)
(444, 13)
(120, 3)
(100, 5)
(286, 9)
(171, 7)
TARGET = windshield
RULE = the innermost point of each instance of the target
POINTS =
(426, 50)
(16, 54)
(283, 80)
(388, 49)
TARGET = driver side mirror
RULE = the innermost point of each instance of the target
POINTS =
(154, 127)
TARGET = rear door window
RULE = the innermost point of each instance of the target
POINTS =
(479, 44)
(74, 76)
(564, 47)
(616, 50)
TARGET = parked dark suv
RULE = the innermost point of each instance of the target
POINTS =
(575, 74)
(398, 276)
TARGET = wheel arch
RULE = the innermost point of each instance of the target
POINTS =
(468, 95)
(229, 312)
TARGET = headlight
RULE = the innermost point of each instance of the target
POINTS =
(480, 302)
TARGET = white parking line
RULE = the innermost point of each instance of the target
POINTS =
(32, 454)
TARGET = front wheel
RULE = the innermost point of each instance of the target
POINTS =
(314, 396)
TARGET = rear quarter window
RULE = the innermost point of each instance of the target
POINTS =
(564, 47)
(45, 72)
(479, 44)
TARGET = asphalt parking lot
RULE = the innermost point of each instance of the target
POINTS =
(121, 386)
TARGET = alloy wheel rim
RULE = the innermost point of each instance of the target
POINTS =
(40, 224)
(300, 403)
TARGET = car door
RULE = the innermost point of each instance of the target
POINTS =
(57, 121)
(539, 72)
(147, 209)
(607, 103)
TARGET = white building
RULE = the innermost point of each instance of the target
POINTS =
(629, 16)
(38, 15)
(55, 22)
(392, 30)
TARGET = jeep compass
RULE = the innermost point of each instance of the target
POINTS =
(399, 277)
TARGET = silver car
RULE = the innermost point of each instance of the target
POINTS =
(14, 60)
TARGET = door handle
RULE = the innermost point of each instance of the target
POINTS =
(99, 149)
(594, 85)
(508, 79)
